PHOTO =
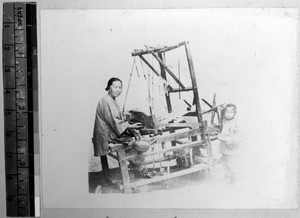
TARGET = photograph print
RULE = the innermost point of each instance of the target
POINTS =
(181, 108)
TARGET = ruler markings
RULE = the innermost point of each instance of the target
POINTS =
(16, 107)
(17, 46)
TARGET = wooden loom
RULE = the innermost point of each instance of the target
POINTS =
(193, 129)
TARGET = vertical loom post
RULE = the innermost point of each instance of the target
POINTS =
(197, 103)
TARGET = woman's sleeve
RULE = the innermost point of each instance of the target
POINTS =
(114, 122)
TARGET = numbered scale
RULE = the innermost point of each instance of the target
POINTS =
(19, 62)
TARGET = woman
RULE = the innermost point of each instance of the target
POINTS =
(110, 127)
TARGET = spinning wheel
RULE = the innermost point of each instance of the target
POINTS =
(214, 109)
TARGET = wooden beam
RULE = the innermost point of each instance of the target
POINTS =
(164, 76)
(194, 82)
(124, 171)
(161, 159)
(173, 129)
(167, 69)
(196, 100)
(181, 142)
(155, 71)
(182, 90)
(195, 168)
(177, 135)
(149, 65)
(175, 148)
(192, 125)
(163, 164)
(113, 156)
(160, 49)
(171, 47)
(204, 135)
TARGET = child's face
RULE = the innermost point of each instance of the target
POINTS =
(229, 113)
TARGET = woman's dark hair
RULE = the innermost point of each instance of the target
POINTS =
(110, 82)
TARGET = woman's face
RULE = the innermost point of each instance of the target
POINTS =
(115, 89)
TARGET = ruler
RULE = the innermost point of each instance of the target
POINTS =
(19, 63)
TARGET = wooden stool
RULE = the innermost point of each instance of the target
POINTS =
(120, 157)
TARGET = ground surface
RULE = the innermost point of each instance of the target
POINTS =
(200, 190)
(98, 185)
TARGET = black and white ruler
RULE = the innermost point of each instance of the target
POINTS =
(19, 63)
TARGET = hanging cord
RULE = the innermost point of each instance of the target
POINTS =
(134, 65)
(143, 70)
(137, 70)
(149, 93)
(152, 99)
(130, 77)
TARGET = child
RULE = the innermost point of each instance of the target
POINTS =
(229, 142)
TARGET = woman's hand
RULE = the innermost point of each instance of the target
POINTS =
(135, 126)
